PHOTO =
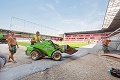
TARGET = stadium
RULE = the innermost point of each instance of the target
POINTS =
(110, 28)
(76, 39)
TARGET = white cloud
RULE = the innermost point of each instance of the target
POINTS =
(96, 24)
(94, 10)
(43, 8)
(73, 21)
(86, 2)
(74, 6)
(46, 7)
(91, 25)
(91, 21)
(57, 1)
(81, 4)
(83, 24)
(50, 6)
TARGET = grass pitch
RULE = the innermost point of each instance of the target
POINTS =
(72, 44)
(24, 43)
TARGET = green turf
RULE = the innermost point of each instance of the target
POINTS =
(24, 43)
(72, 44)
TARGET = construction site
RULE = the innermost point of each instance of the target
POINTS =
(51, 62)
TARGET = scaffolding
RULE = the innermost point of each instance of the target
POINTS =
(115, 42)
(22, 25)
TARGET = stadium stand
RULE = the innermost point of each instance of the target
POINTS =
(110, 24)
(27, 36)
(85, 36)
(110, 27)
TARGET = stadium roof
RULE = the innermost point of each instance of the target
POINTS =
(112, 9)
(86, 32)
(115, 24)
(115, 32)
(112, 18)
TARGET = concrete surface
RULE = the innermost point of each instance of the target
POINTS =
(20, 56)
(89, 67)
(25, 66)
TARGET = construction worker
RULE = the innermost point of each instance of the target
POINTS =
(12, 43)
(36, 38)
(105, 45)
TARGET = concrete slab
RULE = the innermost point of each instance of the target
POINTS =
(89, 46)
(20, 69)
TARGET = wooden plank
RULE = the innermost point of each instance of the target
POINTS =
(112, 55)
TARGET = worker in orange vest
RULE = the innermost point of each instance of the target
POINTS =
(105, 45)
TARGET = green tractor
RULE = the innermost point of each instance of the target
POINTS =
(48, 48)
(2, 38)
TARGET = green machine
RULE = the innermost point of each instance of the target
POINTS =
(48, 48)
(2, 38)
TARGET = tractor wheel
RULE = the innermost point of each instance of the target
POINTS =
(4, 57)
(56, 56)
(36, 54)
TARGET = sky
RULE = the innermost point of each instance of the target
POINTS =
(60, 15)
